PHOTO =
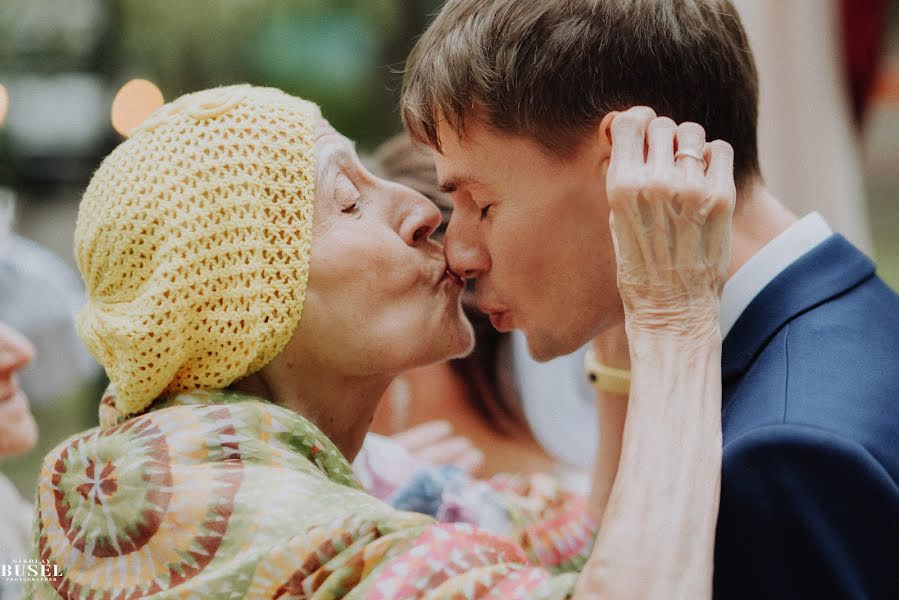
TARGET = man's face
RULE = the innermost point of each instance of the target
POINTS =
(533, 231)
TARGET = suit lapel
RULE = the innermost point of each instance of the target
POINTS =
(826, 271)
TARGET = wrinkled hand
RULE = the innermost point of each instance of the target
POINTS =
(434, 442)
(670, 220)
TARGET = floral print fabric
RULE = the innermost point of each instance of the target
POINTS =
(549, 521)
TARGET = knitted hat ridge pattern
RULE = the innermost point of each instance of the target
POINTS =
(193, 240)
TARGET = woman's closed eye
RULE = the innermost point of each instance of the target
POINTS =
(347, 195)
(352, 208)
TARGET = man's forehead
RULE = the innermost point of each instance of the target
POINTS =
(454, 172)
(457, 159)
(467, 139)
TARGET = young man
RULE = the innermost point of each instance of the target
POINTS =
(516, 97)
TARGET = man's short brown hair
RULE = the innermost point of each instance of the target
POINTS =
(552, 69)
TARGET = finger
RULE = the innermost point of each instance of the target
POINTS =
(660, 134)
(720, 157)
(423, 435)
(629, 137)
(689, 158)
(721, 186)
(446, 452)
(471, 461)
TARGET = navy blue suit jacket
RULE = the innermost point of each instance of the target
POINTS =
(810, 413)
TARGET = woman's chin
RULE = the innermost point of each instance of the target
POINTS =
(453, 339)
(455, 332)
(461, 342)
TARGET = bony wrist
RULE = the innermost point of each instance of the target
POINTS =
(688, 324)
(605, 378)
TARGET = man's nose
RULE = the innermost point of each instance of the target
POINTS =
(15, 350)
(465, 255)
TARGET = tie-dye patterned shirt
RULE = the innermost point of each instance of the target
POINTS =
(221, 495)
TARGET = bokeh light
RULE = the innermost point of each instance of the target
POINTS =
(134, 103)
(4, 103)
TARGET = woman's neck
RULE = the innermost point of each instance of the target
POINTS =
(342, 407)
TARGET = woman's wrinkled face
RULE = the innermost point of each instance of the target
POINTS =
(18, 431)
(379, 299)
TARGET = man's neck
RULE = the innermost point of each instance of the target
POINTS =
(342, 407)
(758, 218)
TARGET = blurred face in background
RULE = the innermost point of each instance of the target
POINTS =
(18, 431)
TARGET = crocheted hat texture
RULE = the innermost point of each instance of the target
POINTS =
(193, 241)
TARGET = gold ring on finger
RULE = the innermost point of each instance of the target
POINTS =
(690, 154)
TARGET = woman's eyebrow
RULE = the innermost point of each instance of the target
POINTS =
(348, 147)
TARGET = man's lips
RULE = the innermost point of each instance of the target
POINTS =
(502, 322)
(500, 318)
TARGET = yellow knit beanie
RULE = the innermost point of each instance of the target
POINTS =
(193, 241)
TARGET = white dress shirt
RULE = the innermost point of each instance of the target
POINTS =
(556, 398)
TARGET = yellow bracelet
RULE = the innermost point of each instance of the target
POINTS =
(605, 378)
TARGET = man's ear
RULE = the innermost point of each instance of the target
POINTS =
(605, 135)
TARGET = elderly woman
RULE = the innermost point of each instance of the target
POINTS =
(252, 292)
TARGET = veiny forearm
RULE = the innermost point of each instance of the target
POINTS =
(658, 527)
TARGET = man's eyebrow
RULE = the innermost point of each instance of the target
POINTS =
(453, 184)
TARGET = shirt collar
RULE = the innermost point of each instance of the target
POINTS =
(766, 264)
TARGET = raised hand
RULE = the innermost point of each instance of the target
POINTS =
(434, 442)
(672, 198)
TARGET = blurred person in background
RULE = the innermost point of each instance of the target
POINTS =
(18, 434)
(250, 316)
(39, 296)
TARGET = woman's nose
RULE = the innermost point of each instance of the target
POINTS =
(420, 222)
(15, 350)
(465, 256)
